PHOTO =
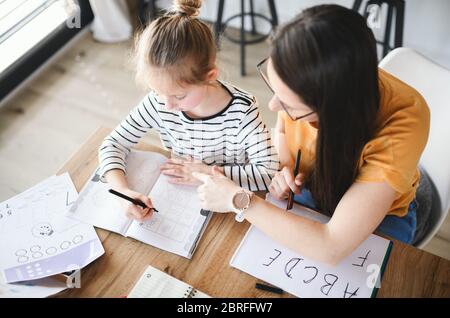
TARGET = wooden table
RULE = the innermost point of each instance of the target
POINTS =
(410, 272)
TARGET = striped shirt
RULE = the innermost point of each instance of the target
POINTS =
(235, 138)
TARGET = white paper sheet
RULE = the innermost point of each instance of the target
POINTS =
(40, 288)
(37, 239)
(356, 276)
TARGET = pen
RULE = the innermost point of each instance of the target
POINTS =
(134, 201)
(271, 289)
(290, 203)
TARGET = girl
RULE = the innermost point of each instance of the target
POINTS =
(361, 133)
(206, 123)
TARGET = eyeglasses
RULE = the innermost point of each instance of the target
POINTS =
(283, 105)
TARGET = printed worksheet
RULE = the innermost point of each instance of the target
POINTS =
(37, 239)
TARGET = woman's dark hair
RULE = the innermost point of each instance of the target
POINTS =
(327, 56)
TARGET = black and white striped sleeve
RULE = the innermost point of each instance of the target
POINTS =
(116, 146)
(262, 158)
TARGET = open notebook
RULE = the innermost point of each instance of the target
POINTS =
(176, 228)
(157, 284)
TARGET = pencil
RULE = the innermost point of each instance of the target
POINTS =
(290, 203)
(134, 201)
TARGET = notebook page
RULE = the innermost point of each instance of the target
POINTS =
(178, 224)
(96, 206)
(157, 284)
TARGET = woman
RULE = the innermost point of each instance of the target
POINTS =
(360, 130)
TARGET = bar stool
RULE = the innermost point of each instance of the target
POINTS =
(147, 11)
(219, 27)
(397, 6)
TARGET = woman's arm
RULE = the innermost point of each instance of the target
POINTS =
(357, 215)
(284, 181)
(281, 146)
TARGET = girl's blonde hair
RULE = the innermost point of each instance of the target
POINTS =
(177, 42)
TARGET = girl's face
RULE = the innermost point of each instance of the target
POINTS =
(283, 94)
(176, 97)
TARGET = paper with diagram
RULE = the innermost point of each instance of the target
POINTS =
(37, 239)
(176, 228)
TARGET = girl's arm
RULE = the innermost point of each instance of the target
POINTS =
(115, 147)
(117, 178)
(254, 138)
(118, 181)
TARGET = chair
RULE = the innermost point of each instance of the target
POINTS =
(433, 82)
(220, 26)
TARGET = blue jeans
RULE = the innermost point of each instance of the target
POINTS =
(399, 228)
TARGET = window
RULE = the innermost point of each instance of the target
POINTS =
(31, 31)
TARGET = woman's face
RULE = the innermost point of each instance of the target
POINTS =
(283, 94)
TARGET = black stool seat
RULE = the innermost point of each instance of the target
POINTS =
(220, 26)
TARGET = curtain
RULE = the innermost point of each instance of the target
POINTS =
(112, 21)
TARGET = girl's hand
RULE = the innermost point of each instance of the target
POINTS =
(283, 182)
(217, 191)
(180, 170)
(133, 211)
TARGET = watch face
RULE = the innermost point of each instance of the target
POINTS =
(241, 200)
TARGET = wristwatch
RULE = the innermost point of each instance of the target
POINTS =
(241, 202)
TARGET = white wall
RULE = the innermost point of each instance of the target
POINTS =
(427, 22)
(427, 28)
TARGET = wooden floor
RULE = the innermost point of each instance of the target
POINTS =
(92, 85)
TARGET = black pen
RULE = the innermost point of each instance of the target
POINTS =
(134, 201)
(290, 203)
(271, 289)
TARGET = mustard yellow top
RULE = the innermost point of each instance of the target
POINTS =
(393, 155)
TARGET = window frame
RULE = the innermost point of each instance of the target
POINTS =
(25, 66)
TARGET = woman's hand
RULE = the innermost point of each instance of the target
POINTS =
(217, 191)
(180, 170)
(133, 211)
(283, 182)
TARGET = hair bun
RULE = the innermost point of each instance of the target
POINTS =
(190, 8)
